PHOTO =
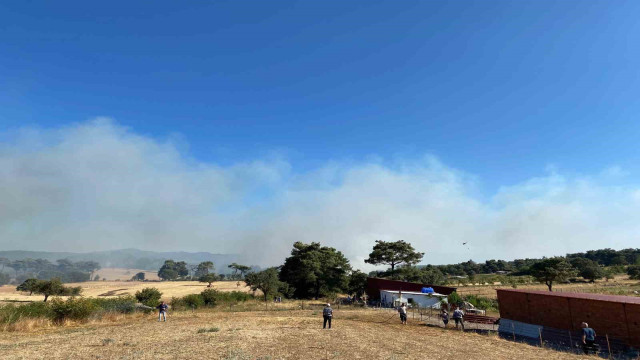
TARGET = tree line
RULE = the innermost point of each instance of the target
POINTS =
(42, 269)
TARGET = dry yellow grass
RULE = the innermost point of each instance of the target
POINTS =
(619, 285)
(295, 334)
(112, 274)
(118, 288)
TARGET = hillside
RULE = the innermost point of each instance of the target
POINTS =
(128, 258)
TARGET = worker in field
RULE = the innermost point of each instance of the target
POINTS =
(403, 313)
(588, 339)
(445, 317)
(162, 311)
(458, 317)
(327, 314)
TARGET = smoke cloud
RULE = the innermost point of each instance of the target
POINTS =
(100, 186)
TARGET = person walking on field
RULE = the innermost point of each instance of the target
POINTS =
(403, 313)
(458, 317)
(162, 311)
(588, 339)
(445, 317)
(327, 314)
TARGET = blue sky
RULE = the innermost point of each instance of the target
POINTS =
(500, 89)
(502, 98)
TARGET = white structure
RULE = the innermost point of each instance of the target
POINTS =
(424, 300)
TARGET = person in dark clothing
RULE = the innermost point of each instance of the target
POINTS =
(588, 339)
(327, 314)
(458, 317)
(162, 311)
(445, 317)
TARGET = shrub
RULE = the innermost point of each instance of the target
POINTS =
(481, 302)
(149, 296)
(210, 297)
(454, 299)
(72, 309)
(10, 314)
(634, 272)
(121, 304)
(193, 301)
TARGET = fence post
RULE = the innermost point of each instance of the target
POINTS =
(513, 332)
(540, 332)
(608, 345)
(571, 342)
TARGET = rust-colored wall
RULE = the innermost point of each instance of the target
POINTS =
(633, 322)
(618, 320)
(604, 317)
(549, 311)
(514, 306)
(374, 285)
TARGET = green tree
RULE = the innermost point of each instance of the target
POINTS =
(204, 268)
(551, 270)
(314, 270)
(208, 278)
(634, 272)
(54, 287)
(149, 296)
(169, 271)
(357, 283)
(588, 269)
(393, 253)
(267, 281)
(237, 268)
(138, 277)
(29, 285)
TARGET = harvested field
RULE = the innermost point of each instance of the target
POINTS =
(618, 286)
(122, 274)
(294, 334)
(119, 288)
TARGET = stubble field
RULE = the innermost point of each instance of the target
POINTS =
(282, 334)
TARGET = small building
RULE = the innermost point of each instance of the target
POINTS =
(376, 285)
(556, 317)
(391, 298)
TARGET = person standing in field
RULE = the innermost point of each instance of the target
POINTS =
(403, 313)
(588, 339)
(327, 314)
(162, 311)
(458, 317)
(445, 317)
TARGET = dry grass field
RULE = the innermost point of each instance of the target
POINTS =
(284, 334)
(123, 274)
(621, 285)
(118, 288)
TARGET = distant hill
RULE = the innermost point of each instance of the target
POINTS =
(129, 258)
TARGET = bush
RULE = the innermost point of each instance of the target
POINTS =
(481, 302)
(233, 296)
(454, 299)
(72, 309)
(149, 296)
(210, 297)
(10, 314)
(121, 304)
(193, 301)
(634, 272)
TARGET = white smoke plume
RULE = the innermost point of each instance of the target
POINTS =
(100, 186)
